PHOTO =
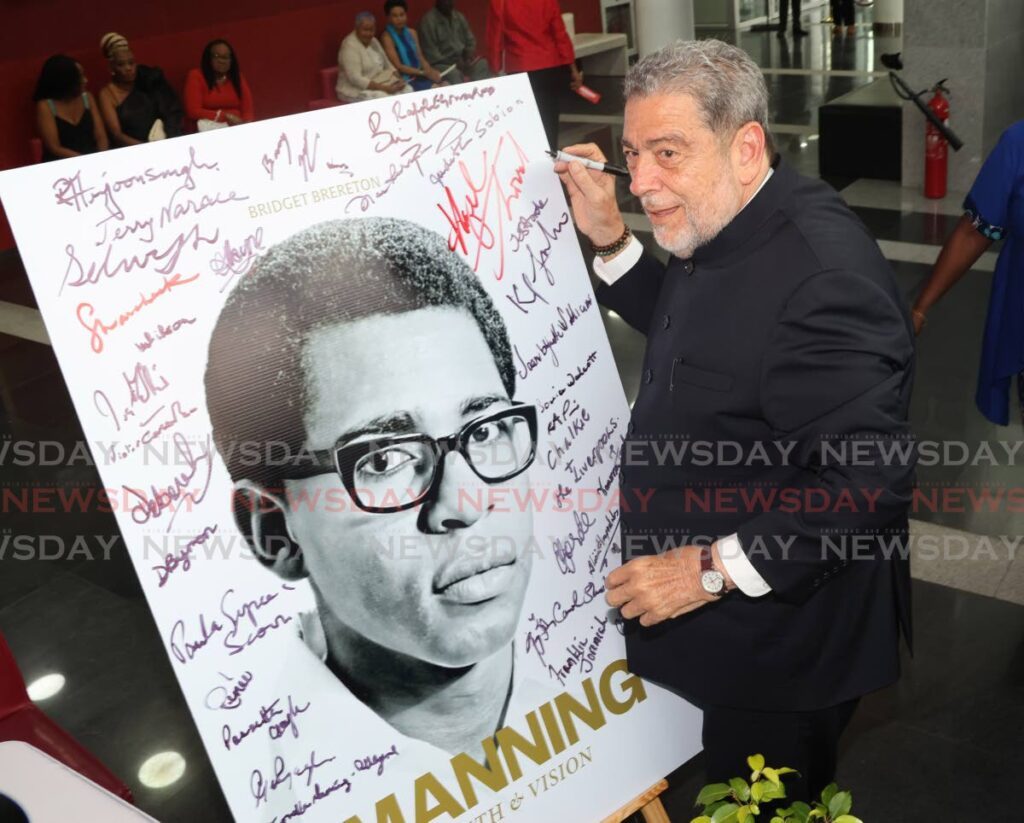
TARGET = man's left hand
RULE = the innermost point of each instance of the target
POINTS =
(658, 587)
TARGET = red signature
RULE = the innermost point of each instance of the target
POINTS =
(98, 329)
(471, 220)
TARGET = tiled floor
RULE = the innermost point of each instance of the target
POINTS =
(942, 745)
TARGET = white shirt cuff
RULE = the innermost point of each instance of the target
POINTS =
(740, 569)
(615, 268)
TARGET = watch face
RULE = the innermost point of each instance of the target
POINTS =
(712, 581)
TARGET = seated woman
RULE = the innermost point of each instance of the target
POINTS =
(217, 92)
(65, 116)
(364, 71)
(138, 104)
(403, 48)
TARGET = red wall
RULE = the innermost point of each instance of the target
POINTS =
(280, 47)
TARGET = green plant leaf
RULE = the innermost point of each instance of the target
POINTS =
(771, 791)
(847, 818)
(712, 792)
(816, 813)
(757, 790)
(786, 770)
(828, 793)
(840, 804)
(756, 762)
(740, 788)
(777, 819)
(702, 819)
(726, 813)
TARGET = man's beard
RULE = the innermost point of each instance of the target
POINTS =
(704, 220)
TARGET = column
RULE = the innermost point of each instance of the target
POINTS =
(660, 22)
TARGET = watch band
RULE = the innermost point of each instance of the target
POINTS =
(707, 560)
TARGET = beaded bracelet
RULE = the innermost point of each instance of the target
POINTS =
(613, 248)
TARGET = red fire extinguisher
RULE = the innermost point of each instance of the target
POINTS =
(936, 152)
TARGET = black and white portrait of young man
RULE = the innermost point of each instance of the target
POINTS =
(375, 355)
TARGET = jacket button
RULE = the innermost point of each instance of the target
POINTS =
(688, 267)
(666, 321)
(631, 427)
(648, 375)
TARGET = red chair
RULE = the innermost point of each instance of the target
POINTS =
(35, 150)
(20, 719)
(329, 97)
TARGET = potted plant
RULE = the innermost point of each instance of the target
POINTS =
(739, 800)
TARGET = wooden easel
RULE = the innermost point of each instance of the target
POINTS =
(648, 804)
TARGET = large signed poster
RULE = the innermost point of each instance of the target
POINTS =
(352, 402)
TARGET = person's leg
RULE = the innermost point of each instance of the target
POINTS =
(480, 70)
(783, 16)
(846, 7)
(805, 741)
(548, 87)
(797, 28)
(453, 75)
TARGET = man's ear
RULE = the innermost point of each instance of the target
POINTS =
(262, 518)
(749, 145)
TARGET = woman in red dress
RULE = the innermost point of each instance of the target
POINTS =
(217, 91)
(529, 35)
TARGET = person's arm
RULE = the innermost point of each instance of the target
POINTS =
(392, 53)
(112, 121)
(564, 46)
(495, 36)
(99, 134)
(248, 114)
(468, 38)
(961, 251)
(351, 65)
(194, 109)
(46, 126)
(835, 381)
(428, 70)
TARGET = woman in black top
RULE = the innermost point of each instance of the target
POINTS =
(65, 115)
(136, 97)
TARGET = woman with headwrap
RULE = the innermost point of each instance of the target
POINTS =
(403, 48)
(138, 104)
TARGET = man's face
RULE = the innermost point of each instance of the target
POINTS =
(681, 171)
(442, 582)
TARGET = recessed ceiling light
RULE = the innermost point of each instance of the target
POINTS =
(161, 770)
(45, 687)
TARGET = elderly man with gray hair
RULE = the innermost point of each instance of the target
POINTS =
(768, 586)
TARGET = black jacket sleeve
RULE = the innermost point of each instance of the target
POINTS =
(835, 382)
(634, 295)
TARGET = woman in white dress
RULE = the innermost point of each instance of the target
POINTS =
(364, 71)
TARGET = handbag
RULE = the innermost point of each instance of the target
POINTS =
(205, 124)
(156, 131)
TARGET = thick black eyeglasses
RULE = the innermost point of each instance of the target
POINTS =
(392, 474)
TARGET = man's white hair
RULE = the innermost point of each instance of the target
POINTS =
(725, 82)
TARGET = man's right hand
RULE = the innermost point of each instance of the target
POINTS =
(592, 195)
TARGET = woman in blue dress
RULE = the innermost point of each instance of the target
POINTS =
(994, 210)
(402, 47)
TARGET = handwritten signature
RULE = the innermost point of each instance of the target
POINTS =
(477, 222)
(228, 697)
(179, 493)
(99, 329)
